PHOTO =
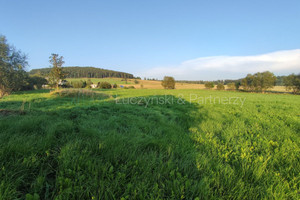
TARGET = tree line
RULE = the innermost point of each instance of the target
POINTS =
(258, 82)
(83, 72)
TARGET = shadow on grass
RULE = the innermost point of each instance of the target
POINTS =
(103, 150)
(32, 92)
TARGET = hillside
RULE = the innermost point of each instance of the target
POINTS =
(84, 72)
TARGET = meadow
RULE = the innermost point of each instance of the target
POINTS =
(149, 144)
(151, 84)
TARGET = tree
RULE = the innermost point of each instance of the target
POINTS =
(292, 82)
(209, 85)
(168, 82)
(247, 82)
(220, 86)
(105, 85)
(231, 86)
(237, 85)
(12, 65)
(56, 74)
(259, 81)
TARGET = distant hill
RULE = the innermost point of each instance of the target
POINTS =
(83, 72)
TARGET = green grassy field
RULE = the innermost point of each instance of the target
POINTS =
(162, 144)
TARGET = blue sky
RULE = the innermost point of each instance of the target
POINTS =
(196, 40)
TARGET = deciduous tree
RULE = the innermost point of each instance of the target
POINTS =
(292, 82)
(209, 85)
(56, 73)
(12, 65)
(168, 82)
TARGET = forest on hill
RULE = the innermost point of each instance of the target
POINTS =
(83, 72)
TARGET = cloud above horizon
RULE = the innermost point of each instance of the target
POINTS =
(230, 67)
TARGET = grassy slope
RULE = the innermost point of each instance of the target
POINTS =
(118, 81)
(68, 148)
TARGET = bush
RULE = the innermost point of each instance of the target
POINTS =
(88, 83)
(231, 86)
(168, 82)
(77, 84)
(136, 81)
(209, 85)
(115, 85)
(34, 83)
(220, 86)
(129, 87)
(105, 85)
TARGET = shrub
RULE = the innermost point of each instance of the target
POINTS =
(88, 83)
(115, 85)
(231, 86)
(168, 82)
(77, 84)
(129, 87)
(136, 81)
(105, 85)
(220, 86)
(34, 82)
(209, 85)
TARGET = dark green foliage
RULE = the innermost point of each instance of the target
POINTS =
(220, 86)
(84, 72)
(115, 85)
(237, 85)
(259, 82)
(105, 85)
(34, 82)
(168, 82)
(292, 82)
(12, 64)
(209, 85)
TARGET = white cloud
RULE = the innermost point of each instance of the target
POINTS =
(227, 67)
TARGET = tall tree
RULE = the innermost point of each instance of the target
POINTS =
(56, 74)
(12, 64)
